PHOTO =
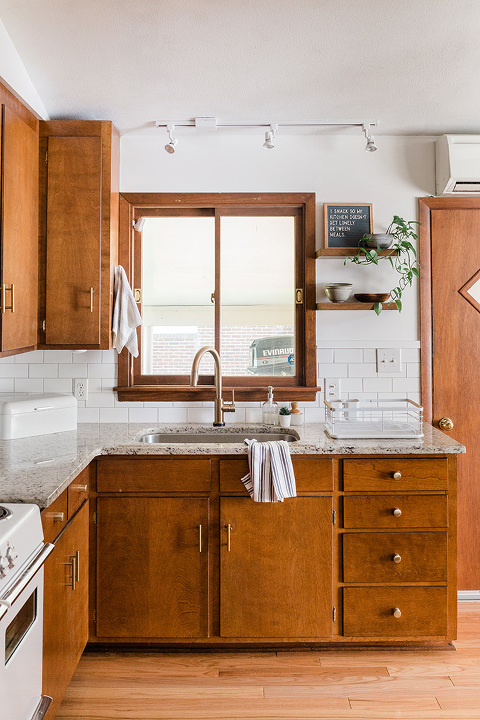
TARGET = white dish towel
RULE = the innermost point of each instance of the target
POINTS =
(271, 477)
(126, 317)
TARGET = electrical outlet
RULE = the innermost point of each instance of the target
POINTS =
(81, 389)
(389, 360)
(332, 388)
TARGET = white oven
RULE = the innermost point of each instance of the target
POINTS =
(21, 613)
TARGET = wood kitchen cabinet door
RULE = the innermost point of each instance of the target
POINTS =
(276, 568)
(19, 251)
(65, 619)
(74, 194)
(152, 567)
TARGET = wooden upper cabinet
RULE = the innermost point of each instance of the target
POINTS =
(80, 205)
(19, 248)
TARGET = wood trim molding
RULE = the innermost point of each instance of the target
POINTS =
(135, 205)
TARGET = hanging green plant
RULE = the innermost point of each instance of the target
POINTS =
(401, 255)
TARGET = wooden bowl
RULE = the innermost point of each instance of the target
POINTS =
(372, 297)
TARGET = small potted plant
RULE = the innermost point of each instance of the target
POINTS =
(284, 417)
(401, 255)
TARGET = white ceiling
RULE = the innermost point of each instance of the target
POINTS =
(413, 65)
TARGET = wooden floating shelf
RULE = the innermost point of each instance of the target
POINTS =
(345, 252)
(353, 306)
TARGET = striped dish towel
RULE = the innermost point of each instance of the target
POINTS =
(126, 317)
(271, 477)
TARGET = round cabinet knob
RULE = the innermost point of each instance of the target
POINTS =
(3, 566)
(397, 512)
(397, 475)
(397, 612)
(445, 424)
(11, 556)
(397, 558)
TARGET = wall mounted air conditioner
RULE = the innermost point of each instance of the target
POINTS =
(458, 164)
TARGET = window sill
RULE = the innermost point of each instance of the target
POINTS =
(154, 393)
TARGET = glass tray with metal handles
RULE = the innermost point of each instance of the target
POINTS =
(385, 418)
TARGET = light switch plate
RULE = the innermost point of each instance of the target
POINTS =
(389, 360)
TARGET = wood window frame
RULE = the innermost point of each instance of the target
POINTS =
(134, 387)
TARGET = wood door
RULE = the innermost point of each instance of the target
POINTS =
(152, 567)
(276, 578)
(65, 616)
(450, 244)
(74, 195)
(19, 232)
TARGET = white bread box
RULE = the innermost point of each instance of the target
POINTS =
(28, 415)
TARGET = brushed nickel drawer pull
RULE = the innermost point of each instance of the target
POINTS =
(200, 538)
(77, 565)
(58, 517)
(397, 612)
(80, 488)
(397, 512)
(397, 475)
(91, 299)
(229, 530)
(11, 289)
(397, 558)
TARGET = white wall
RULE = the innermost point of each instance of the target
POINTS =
(337, 169)
(15, 77)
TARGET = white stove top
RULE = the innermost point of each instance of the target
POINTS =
(21, 535)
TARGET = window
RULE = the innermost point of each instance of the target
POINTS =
(232, 271)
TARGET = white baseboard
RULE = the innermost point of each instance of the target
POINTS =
(468, 595)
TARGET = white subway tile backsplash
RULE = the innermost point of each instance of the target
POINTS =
(348, 355)
(58, 385)
(102, 370)
(30, 385)
(44, 370)
(113, 415)
(88, 415)
(57, 356)
(36, 356)
(332, 370)
(357, 370)
(142, 415)
(73, 370)
(13, 370)
(54, 371)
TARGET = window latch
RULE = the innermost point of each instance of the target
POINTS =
(212, 298)
(138, 295)
(299, 296)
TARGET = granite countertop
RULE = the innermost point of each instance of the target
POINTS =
(38, 469)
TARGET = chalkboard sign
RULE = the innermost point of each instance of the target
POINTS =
(346, 223)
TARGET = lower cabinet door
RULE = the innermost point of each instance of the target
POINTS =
(65, 618)
(152, 569)
(276, 568)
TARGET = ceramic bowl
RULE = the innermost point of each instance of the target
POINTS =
(338, 292)
(382, 240)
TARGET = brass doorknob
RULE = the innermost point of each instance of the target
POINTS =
(445, 424)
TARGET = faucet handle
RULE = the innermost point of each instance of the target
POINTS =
(229, 406)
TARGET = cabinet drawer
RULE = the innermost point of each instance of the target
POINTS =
(377, 511)
(117, 474)
(369, 612)
(78, 491)
(421, 474)
(54, 518)
(369, 557)
(311, 474)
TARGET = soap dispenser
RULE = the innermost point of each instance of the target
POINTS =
(270, 409)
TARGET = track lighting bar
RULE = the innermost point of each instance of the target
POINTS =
(210, 124)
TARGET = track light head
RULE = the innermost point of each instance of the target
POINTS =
(370, 146)
(270, 137)
(172, 140)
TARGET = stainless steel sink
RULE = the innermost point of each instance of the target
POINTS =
(215, 437)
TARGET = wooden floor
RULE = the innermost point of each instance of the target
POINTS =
(335, 684)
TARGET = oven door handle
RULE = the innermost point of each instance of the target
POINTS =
(7, 600)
